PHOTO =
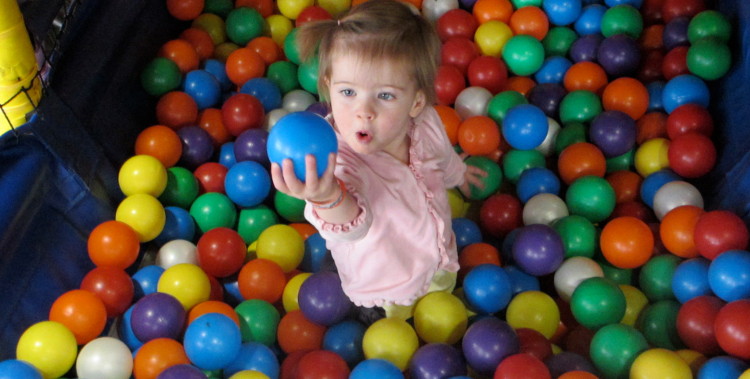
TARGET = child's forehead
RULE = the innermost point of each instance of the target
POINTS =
(374, 66)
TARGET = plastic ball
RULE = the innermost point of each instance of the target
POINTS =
(175, 252)
(256, 357)
(656, 362)
(82, 312)
(685, 89)
(376, 368)
(478, 135)
(622, 19)
(619, 55)
(322, 300)
(544, 208)
(440, 317)
(282, 245)
(538, 249)
(578, 234)
(160, 76)
(160, 142)
(487, 342)
(261, 279)
(182, 188)
(579, 105)
(635, 301)
(627, 242)
(591, 197)
(48, 346)
(590, 20)
(186, 282)
(437, 360)
(472, 101)
(546, 96)
(182, 371)
(345, 339)
(492, 181)
(203, 87)
(718, 231)
(212, 210)
(537, 180)
(690, 279)
(722, 366)
(572, 272)
(145, 280)
(658, 322)
(197, 146)
(689, 118)
(695, 324)
(523, 54)
(491, 37)
(525, 126)
(655, 278)
(652, 156)
(585, 48)
(677, 228)
(562, 12)
(487, 288)
(709, 59)
(499, 105)
(113, 243)
(113, 286)
(729, 275)
(615, 347)
(613, 132)
(391, 339)
(298, 134)
(569, 365)
(241, 112)
(258, 321)
(251, 146)
(515, 162)
(212, 341)
(731, 329)
(499, 214)
(247, 183)
(597, 302)
(221, 252)
(105, 357)
(674, 194)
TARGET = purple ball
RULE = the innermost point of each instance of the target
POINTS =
(322, 300)
(619, 55)
(251, 146)
(676, 33)
(197, 146)
(183, 371)
(585, 48)
(547, 96)
(487, 342)
(613, 132)
(566, 361)
(437, 360)
(538, 249)
(157, 315)
(320, 108)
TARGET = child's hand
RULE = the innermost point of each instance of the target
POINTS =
(473, 177)
(323, 190)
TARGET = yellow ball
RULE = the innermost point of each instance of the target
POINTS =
(187, 282)
(660, 363)
(440, 317)
(278, 27)
(249, 374)
(745, 374)
(534, 310)
(458, 205)
(49, 346)
(213, 25)
(652, 156)
(282, 244)
(144, 213)
(292, 8)
(635, 301)
(289, 297)
(492, 36)
(335, 7)
(391, 339)
(142, 174)
(695, 360)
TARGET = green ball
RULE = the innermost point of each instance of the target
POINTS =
(580, 105)
(572, 132)
(284, 74)
(597, 302)
(182, 188)
(259, 321)
(290, 208)
(622, 19)
(214, 374)
(491, 182)
(621, 162)
(558, 41)
(655, 279)
(614, 348)
(523, 54)
(218, 7)
(212, 210)
(291, 49)
(160, 76)
(709, 24)
(616, 274)
(515, 162)
(253, 221)
(518, 4)
(578, 234)
(307, 74)
(658, 322)
(591, 197)
(709, 58)
(243, 24)
(500, 104)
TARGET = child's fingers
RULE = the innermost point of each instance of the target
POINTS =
(277, 178)
(290, 178)
(311, 171)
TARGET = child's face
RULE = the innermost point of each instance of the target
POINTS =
(373, 104)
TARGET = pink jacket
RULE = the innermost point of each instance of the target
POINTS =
(403, 235)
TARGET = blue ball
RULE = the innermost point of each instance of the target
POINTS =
(345, 339)
(653, 182)
(218, 70)
(553, 70)
(466, 231)
(226, 154)
(376, 369)
(685, 89)
(232, 294)
(562, 12)
(536, 180)
(487, 288)
(729, 275)
(145, 280)
(15, 369)
(722, 366)
(265, 90)
(634, 3)
(212, 341)
(125, 331)
(180, 225)
(690, 279)
(590, 20)
(315, 253)
(655, 96)
(525, 126)
(203, 87)
(300, 133)
(254, 356)
(247, 183)
(520, 281)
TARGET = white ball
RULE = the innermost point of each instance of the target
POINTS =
(104, 357)
(675, 194)
(175, 252)
(297, 100)
(472, 101)
(273, 117)
(572, 272)
(544, 208)
(433, 9)
(547, 147)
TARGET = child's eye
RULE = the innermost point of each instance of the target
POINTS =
(347, 92)
(386, 96)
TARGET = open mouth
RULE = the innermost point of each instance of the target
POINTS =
(364, 136)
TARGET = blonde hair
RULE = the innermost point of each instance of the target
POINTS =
(375, 29)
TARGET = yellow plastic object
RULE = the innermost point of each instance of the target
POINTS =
(18, 68)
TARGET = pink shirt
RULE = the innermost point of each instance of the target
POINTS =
(403, 234)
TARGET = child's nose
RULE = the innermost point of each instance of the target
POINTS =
(365, 110)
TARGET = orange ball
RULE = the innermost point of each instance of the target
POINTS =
(213, 306)
(581, 159)
(210, 120)
(486, 10)
(651, 38)
(476, 254)
(244, 64)
(651, 125)
(296, 333)
(530, 20)
(577, 374)
(156, 356)
(585, 76)
(627, 242)
(520, 84)
(304, 229)
(201, 41)
(451, 121)
(677, 228)
(176, 109)
(626, 95)
(185, 10)
(261, 279)
(268, 50)
(113, 243)
(160, 142)
(182, 53)
(627, 185)
(264, 7)
(478, 135)
(82, 312)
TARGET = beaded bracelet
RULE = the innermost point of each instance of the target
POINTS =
(334, 203)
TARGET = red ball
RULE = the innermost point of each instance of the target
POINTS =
(211, 177)
(241, 112)
(113, 286)
(296, 332)
(733, 330)
(522, 366)
(448, 84)
(695, 324)
(675, 62)
(719, 231)
(456, 23)
(312, 13)
(221, 252)
(633, 208)
(671, 9)
(689, 118)
(488, 72)
(459, 52)
(651, 67)
(692, 155)
(500, 214)
(322, 364)
(534, 343)
(651, 12)
(176, 109)
(288, 369)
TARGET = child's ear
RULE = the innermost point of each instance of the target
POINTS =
(420, 101)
